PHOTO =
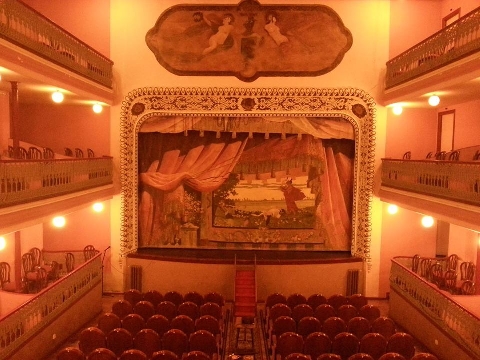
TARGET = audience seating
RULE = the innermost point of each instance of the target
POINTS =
(467, 288)
(108, 321)
(215, 298)
(153, 296)
(133, 296)
(90, 153)
(329, 356)
(281, 325)
(194, 297)
(401, 343)
(5, 283)
(346, 312)
(209, 323)
(315, 300)
(384, 326)
(345, 345)
(184, 323)
(144, 308)
(173, 296)
(196, 355)
(287, 343)
(333, 326)
(360, 356)
(300, 311)
(159, 323)
(296, 299)
(68, 152)
(392, 356)
(122, 308)
(212, 309)
(357, 300)
(164, 355)
(90, 339)
(70, 353)
(308, 325)
(148, 341)
(324, 311)
(358, 326)
(337, 300)
(102, 354)
(188, 308)
(316, 344)
(373, 344)
(205, 341)
(467, 270)
(133, 323)
(89, 252)
(297, 356)
(176, 341)
(119, 340)
(133, 354)
(424, 356)
(369, 312)
(167, 309)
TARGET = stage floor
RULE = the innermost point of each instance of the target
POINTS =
(223, 256)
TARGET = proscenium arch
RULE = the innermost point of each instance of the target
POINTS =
(353, 105)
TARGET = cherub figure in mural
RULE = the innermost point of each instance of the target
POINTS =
(222, 33)
(273, 30)
(291, 194)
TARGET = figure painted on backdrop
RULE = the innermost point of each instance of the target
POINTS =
(222, 33)
(273, 30)
(291, 194)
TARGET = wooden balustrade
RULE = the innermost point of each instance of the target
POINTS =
(456, 41)
(454, 180)
(29, 180)
(22, 324)
(27, 28)
(459, 323)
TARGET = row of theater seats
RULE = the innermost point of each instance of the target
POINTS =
(73, 353)
(133, 296)
(361, 356)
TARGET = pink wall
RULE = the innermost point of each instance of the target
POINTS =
(465, 6)
(414, 130)
(467, 124)
(58, 126)
(88, 20)
(400, 239)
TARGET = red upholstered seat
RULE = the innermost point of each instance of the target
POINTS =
(70, 353)
(148, 341)
(90, 339)
(316, 344)
(119, 340)
(164, 355)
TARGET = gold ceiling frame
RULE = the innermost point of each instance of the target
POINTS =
(353, 105)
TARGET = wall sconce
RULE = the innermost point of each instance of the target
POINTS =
(397, 109)
(59, 221)
(433, 100)
(427, 221)
(392, 209)
(57, 97)
(97, 108)
(97, 207)
(3, 243)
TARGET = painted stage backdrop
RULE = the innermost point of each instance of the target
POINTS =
(262, 183)
(249, 40)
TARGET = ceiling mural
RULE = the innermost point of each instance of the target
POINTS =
(249, 40)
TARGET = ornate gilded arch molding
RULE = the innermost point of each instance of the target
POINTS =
(352, 105)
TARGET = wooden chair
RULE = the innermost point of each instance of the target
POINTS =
(164, 355)
(358, 326)
(102, 354)
(34, 277)
(425, 264)
(90, 339)
(452, 262)
(167, 309)
(296, 299)
(159, 323)
(34, 153)
(78, 153)
(108, 321)
(133, 296)
(467, 288)
(337, 300)
(315, 300)
(133, 323)
(300, 311)
(346, 312)
(144, 308)
(436, 275)
(119, 340)
(188, 308)
(89, 252)
(440, 155)
(21, 153)
(467, 270)
(68, 152)
(90, 153)
(374, 344)
(37, 256)
(407, 155)
(184, 323)
(316, 344)
(153, 296)
(148, 341)
(333, 326)
(194, 297)
(415, 263)
(401, 343)
(205, 341)
(308, 325)
(70, 353)
(175, 340)
(173, 296)
(345, 345)
(357, 300)
(48, 153)
(384, 326)
(5, 283)
(454, 155)
(450, 281)
(324, 311)
(69, 262)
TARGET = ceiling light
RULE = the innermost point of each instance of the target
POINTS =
(397, 109)
(433, 100)
(427, 221)
(392, 209)
(97, 207)
(97, 108)
(57, 97)
(58, 221)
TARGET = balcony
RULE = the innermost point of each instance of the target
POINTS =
(449, 189)
(447, 324)
(448, 58)
(49, 186)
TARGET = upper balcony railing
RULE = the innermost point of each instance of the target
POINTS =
(456, 41)
(30, 180)
(31, 318)
(459, 323)
(453, 180)
(27, 28)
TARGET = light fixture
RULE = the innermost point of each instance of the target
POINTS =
(97, 207)
(97, 108)
(3, 243)
(427, 221)
(397, 109)
(58, 221)
(433, 100)
(392, 209)
(57, 97)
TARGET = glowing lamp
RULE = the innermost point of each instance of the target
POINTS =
(97, 108)
(97, 207)
(58, 221)
(57, 97)
(433, 100)
(392, 209)
(427, 221)
(397, 109)
(3, 243)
